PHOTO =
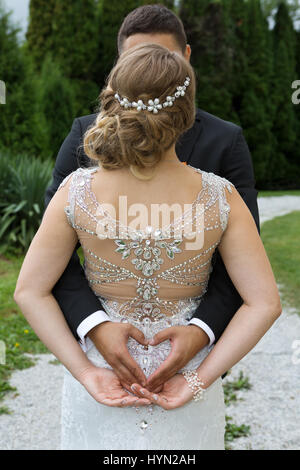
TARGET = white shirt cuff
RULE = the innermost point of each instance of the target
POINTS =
(205, 327)
(87, 324)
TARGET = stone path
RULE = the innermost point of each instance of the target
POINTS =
(272, 406)
(270, 207)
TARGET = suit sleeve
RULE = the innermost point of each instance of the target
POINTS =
(222, 300)
(72, 292)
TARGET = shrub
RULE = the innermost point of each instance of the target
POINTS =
(22, 186)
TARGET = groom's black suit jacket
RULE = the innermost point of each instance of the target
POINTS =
(213, 145)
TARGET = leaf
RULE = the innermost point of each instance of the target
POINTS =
(37, 208)
(5, 225)
(20, 206)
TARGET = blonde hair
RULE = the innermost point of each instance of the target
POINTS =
(121, 137)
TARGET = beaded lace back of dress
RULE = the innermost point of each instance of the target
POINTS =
(149, 272)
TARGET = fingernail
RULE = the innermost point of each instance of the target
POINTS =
(151, 341)
(155, 397)
(123, 402)
(142, 391)
(133, 388)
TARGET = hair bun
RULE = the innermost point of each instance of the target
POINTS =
(125, 137)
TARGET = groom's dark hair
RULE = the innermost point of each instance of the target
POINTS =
(152, 19)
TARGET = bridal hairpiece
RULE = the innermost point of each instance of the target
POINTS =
(154, 105)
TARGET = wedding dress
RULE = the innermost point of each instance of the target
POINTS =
(154, 280)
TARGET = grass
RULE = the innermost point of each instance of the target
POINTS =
(9, 268)
(234, 432)
(292, 192)
(231, 387)
(16, 333)
(55, 362)
(281, 238)
(4, 410)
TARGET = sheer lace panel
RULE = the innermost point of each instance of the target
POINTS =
(148, 272)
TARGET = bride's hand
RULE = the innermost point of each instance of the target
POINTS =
(105, 387)
(175, 393)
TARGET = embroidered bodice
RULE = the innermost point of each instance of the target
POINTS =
(148, 273)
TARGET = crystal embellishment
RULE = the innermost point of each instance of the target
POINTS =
(143, 425)
(143, 249)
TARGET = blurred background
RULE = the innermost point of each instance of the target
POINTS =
(246, 55)
(54, 58)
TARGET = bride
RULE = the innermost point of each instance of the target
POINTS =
(148, 269)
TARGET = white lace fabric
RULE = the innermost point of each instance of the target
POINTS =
(151, 278)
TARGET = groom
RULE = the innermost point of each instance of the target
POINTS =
(213, 145)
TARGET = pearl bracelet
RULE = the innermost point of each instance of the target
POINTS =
(194, 383)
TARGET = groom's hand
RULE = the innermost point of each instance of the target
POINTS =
(110, 338)
(186, 342)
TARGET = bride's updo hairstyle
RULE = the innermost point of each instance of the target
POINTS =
(125, 137)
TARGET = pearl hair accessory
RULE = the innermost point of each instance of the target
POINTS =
(194, 383)
(154, 105)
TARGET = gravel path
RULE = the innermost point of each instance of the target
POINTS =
(270, 207)
(271, 407)
(35, 421)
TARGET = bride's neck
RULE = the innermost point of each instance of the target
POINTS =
(169, 160)
(169, 156)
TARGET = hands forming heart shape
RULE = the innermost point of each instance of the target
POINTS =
(126, 384)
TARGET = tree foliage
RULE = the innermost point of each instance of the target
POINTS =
(270, 7)
(39, 33)
(17, 116)
(244, 69)
(285, 125)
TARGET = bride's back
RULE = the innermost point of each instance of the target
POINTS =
(148, 246)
